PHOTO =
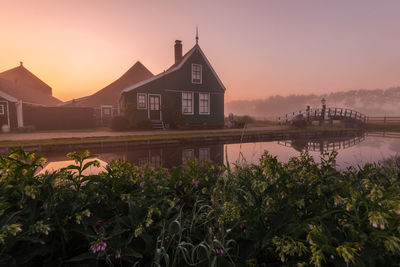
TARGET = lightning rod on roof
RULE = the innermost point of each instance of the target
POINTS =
(197, 36)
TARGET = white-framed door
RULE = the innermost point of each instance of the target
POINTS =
(154, 107)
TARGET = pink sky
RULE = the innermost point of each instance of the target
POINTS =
(258, 48)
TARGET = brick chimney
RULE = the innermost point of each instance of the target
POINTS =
(178, 50)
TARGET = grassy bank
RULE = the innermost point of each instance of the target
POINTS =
(296, 213)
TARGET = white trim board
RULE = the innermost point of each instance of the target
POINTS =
(183, 91)
(8, 97)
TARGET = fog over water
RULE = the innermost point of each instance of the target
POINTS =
(370, 102)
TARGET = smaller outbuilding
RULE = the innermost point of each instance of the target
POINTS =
(27, 102)
(105, 101)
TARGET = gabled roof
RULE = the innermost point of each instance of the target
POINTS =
(176, 67)
(27, 95)
(110, 94)
(5, 95)
(23, 78)
(24, 86)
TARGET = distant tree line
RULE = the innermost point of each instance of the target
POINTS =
(376, 102)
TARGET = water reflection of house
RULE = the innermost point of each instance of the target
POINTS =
(25, 100)
(172, 156)
(157, 156)
(105, 101)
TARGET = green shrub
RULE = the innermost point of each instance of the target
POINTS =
(119, 123)
(145, 124)
(297, 213)
(173, 116)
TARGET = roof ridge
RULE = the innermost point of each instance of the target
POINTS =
(173, 68)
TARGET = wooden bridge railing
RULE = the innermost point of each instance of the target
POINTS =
(331, 113)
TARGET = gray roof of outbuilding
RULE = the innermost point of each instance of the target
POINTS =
(110, 94)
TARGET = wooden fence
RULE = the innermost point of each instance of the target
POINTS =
(385, 120)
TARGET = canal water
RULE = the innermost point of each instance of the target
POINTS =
(355, 150)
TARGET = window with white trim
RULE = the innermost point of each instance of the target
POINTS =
(187, 103)
(204, 103)
(1, 109)
(141, 101)
(196, 73)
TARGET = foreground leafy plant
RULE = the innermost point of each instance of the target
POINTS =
(272, 213)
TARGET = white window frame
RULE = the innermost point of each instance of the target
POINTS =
(145, 100)
(106, 107)
(2, 109)
(183, 108)
(208, 107)
(201, 74)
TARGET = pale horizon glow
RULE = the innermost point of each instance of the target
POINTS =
(258, 48)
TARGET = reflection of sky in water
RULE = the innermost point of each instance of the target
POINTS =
(372, 149)
(56, 165)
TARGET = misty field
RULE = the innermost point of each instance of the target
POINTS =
(266, 214)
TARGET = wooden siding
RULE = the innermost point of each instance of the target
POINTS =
(58, 118)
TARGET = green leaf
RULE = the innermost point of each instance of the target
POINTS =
(82, 257)
(174, 227)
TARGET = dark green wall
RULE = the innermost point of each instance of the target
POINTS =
(181, 80)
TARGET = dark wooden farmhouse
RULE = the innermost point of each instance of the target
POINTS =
(188, 93)
(26, 101)
(105, 101)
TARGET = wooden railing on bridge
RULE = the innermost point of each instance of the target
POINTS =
(331, 113)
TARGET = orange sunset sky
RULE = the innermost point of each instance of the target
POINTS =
(258, 48)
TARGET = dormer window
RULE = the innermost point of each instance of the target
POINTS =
(196, 73)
